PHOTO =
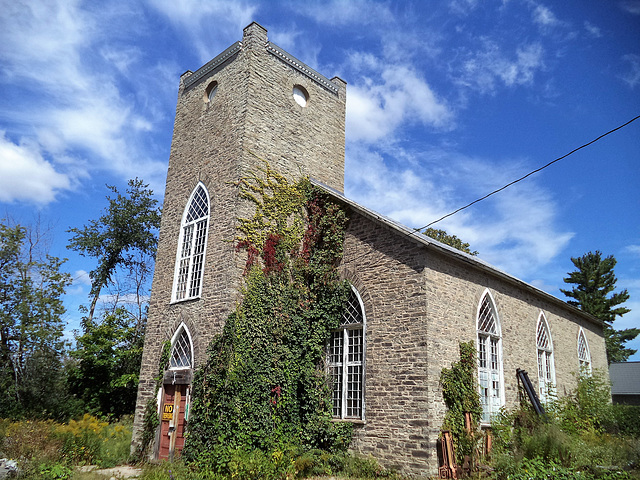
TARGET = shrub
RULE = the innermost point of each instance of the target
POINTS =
(54, 471)
(626, 419)
(29, 441)
(45, 449)
(587, 408)
(579, 438)
(91, 441)
(460, 393)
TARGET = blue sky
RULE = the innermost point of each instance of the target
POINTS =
(446, 101)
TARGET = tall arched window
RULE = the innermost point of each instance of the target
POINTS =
(345, 358)
(192, 246)
(181, 351)
(546, 368)
(489, 358)
(584, 357)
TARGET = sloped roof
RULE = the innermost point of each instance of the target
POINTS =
(411, 235)
(625, 378)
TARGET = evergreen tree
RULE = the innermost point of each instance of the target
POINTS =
(594, 282)
(451, 240)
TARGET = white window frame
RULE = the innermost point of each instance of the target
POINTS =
(584, 354)
(546, 363)
(183, 281)
(176, 335)
(490, 367)
(346, 333)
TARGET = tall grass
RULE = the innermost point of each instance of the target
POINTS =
(48, 450)
(582, 436)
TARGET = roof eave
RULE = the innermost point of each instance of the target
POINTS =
(471, 260)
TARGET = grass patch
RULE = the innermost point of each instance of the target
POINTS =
(49, 450)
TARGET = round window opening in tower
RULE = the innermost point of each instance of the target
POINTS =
(300, 95)
(210, 92)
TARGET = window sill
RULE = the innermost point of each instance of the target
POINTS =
(355, 421)
(182, 300)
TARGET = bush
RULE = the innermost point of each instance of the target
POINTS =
(538, 469)
(45, 449)
(587, 408)
(244, 464)
(29, 441)
(626, 419)
(91, 441)
(579, 438)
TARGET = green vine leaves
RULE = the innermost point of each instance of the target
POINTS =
(264, 384)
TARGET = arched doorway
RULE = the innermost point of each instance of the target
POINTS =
(176, 396)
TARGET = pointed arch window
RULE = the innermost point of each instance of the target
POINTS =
(490, 377)
(346, 358)
(584, 357)
(181, 351)
(546, 367)
(192, 246)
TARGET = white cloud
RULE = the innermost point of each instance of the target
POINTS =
(544, 17)
(81, 277)
(347, 12)
(462, 7)
(634, 249)
(631, 6)
(515, 230)
(122, 57)
(398, 96)
(632, 76)
(206, 24)
(26, 176)
(64, 62)
(482, 70)
(592, 29)
(41, 42)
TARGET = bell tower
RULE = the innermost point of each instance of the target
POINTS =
(252, 103)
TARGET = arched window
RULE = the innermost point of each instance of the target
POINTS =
(345, 358)
(584, 357)
(192, 246)
(181, 351)
(489, 358)
(546, 370)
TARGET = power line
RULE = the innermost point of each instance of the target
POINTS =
(528, 174)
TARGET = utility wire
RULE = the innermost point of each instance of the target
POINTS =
(528, 174)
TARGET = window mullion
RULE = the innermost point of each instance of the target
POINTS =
(345, 372)
(190, 254)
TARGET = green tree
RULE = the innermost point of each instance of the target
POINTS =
(595, 282)
(122, 237)
(32, 345)
(108, 357)
(451, 240)
(108, 353)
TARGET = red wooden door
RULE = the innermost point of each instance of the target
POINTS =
(172, 421)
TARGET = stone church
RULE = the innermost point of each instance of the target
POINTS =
(413, 299)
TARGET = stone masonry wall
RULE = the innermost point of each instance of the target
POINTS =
(296, 141)
(420, 303)
(388, 273)
(217, 142)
